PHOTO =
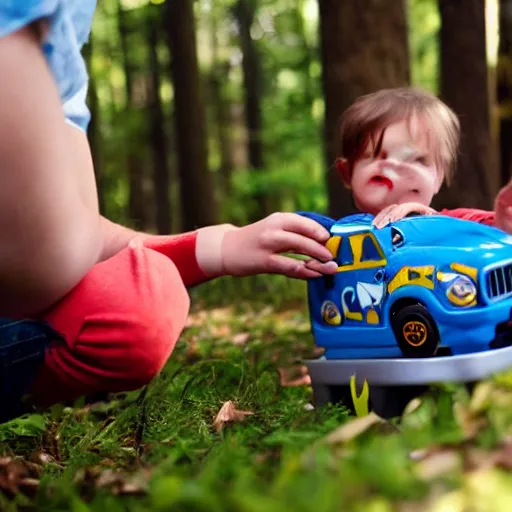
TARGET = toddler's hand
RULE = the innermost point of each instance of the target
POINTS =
(503, 208)
(396, 212)
(257, 248)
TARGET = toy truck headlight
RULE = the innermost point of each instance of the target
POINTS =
(461, 291)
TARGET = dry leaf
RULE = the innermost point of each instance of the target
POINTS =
(241, 338)
(437, 464)
(470, 423)
(412, 406)
(116, 481)
(353, 428)
(221, 331)
(480, 398)
(477, 459)
(295, 376)
(228, 413)
(18, 476)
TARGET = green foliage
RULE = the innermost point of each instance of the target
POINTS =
(424, 24)
(158, 449)
(286, 36)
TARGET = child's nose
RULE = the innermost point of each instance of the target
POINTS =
(401, 154)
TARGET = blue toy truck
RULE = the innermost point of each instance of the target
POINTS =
(405, 296)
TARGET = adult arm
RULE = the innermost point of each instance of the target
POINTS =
(50, 232)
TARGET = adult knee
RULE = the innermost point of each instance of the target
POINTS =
(156, 321)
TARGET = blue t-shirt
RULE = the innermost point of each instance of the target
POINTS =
(69, 25)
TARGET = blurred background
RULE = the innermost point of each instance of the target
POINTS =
(209, 111)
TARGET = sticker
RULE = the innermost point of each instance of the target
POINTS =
(330, 313)
(369, 294)
(459, 289)
(418, 276)
(366, 296)
(350, 315)
(465, 269)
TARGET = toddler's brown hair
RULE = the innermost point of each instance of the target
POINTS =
(365, 121)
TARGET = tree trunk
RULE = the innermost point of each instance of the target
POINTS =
(364, 48)
(136, 202)
(245, 12)
(307, 51)
(221, 107)
(93, 131)
(464, 87)
(504, 90)
(157, 126)
(197, 195)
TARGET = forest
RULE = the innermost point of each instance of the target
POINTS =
(226, 111)
(210, 111)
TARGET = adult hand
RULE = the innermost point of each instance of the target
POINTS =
(258, 248)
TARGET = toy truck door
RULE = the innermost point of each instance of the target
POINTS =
(358, 287)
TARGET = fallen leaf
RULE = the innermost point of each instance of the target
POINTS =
(353, 428)
(116, 481)
(228, 413)
(241, 338)
(438, 464)
(412, 406)
(18, 476)
(502, 455)
(294, 376)
(470, 423)
(221, 331)
(480, 398)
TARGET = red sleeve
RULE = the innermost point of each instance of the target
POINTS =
(181, 249)
(480, 216)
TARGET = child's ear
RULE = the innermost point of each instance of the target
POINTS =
(343, 169)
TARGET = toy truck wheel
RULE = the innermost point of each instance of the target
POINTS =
(415, 331)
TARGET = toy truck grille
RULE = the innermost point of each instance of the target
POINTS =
(499, 282)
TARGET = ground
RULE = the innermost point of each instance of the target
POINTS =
(229, 426)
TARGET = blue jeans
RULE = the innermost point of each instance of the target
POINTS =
(23, 344)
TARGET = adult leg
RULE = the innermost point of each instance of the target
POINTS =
(119, 326)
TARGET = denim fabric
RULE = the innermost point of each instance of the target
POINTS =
(22, 348)
(69, 27)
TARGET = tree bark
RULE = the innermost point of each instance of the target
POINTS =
(93, 131)
(198, 206)
(364, 48)
(307, 53)
(157, 126)
(464, 87)
(137, 210)
(245, 12)
(504, 90)
(221, 108)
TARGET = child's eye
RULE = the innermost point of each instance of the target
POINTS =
(421, 160)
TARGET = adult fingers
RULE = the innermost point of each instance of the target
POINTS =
(290, 267)
(331, 267)
(296, 223)
(279, 241)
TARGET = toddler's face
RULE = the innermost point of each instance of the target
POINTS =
(403, 171)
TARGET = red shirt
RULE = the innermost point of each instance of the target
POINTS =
(480, 216)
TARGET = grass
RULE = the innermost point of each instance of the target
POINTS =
(158, 448)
